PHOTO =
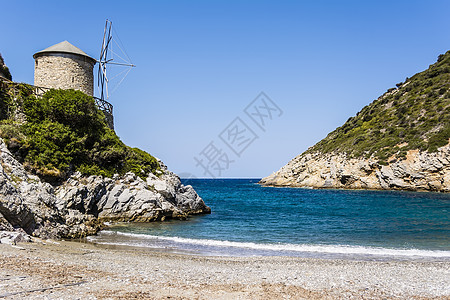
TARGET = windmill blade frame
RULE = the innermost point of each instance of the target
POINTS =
(107, 58)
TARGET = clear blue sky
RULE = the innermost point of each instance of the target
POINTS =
(200, 63)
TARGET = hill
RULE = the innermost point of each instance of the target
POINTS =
(399, 141)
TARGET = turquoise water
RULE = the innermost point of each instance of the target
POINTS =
(248, 219)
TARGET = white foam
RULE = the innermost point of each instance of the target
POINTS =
(327, 249)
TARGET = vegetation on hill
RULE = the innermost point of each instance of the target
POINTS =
(415, 115)
(4, 69)
(65, 132)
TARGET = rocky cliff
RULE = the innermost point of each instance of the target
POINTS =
(80, 205)
(420, 171)
(399, 141)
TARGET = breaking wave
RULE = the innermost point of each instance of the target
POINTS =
(223, 247)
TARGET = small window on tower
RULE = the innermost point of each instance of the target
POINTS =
(73, 79)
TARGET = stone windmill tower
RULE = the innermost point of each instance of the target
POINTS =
(64, 66)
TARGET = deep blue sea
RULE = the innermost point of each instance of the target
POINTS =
(250, 220)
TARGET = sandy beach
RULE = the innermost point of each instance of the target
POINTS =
(73, 270)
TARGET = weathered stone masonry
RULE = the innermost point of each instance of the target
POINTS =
(64, 71)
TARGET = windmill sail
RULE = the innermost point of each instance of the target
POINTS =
(112, 54)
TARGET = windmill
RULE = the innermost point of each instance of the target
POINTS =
(112, 53)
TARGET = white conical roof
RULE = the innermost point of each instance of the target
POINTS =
(63, 47)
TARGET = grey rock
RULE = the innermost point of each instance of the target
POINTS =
(5, 225)
(420, 171)
(13, 237)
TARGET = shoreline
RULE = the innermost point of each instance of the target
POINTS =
(336, 188)
(72, 270)
(110, 239)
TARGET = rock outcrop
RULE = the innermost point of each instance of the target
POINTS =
(420, 171)
(4, 71)
(81, 205)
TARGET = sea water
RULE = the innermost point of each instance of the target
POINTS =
(251, 220)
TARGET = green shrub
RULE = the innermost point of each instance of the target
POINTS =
(10, 129)
(4, 69)
(5, 102)
(66, 132)
(439, 139)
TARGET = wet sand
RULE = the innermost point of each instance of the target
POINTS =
(72, 270)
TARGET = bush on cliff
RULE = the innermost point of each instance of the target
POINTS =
(4, 69)
(66, 132)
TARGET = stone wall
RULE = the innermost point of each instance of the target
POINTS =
(64, 71)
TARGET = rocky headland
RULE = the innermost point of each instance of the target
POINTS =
(420, 171)
(81, 205)
(399, 141)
